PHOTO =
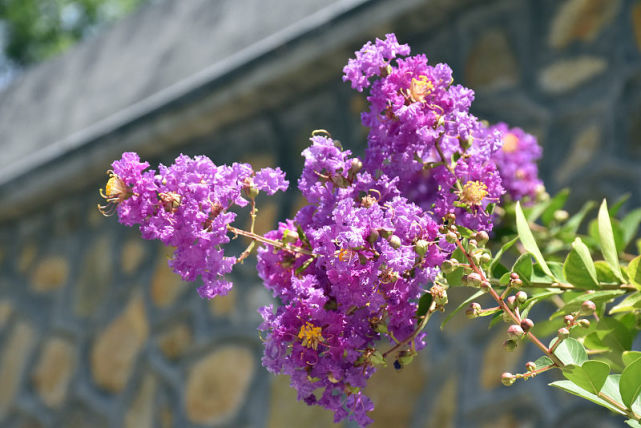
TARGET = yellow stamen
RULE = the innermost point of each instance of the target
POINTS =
(311, 335)
(510, 143)
(420, 88)
(115, 192)
(473, 193)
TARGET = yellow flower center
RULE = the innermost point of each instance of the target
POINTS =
(510, 143)
(473, 193)
(420, 88)
(311, 335)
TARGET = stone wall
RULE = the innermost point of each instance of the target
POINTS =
(96, 331)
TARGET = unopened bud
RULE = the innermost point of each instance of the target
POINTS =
(530, 366)
(510, 345)
(451, 237)
(485, 259)
(356, 166)
(373, 236)
(569, 320)
(467, 142)
(451, 217)
(395, 241)
(474, 279)
(508, 379)
(516, 283)
(521, 297)
(251, 192)
(584, 323)
(439, 294)
(421, 247)
(511, 302)
(527, 324)
(514, 275)
(473, 311)
(448, 266)
(588, 307)
(289, 236)
(515, 331)
(563, 333)
(561, 215)
(440, 121)
(482, 238)
(472, 244)
(385, 233)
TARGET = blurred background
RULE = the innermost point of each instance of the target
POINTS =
(94, 328)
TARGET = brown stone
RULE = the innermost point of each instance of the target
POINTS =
(581, 20)
(636, 22)
(496, 361)
(27, 256)
(133, 252)
(166, 285)
(223, 306)
(395, 393)
(568, 74)
(95, 277)
(14, 358)
(444, 409)
(53, 372)
(285, 408)
(217, 385)
(584, 146)
(5, 312)
(491, 63)
(50, 274)
(175, 341)
(141, 412)
(115, 350)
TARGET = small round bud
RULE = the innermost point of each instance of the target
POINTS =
(515, 331)
(473, 245)
(451, 217)
(395, 241)
(289, 236)
(510, 345)
(588, 307)
(521, 297)
(514, 275)
(563, 333)
(442, 229)
(451, 237)
(569, 320)
(356, 166)
(482, 238)
(385, 233)
(421, 247)
(508, 379)
(448, 266)
(439, 294)
(453, 228)
(516, 283)
(527, 324)
(485, 259)
(561, 215)
(530, 366)
(473, 310)
(474, 279)
(584, 323)
(511, 302)
(467, 142)
(251, 192)
(373, 236)
(440, 121)
(542, 195)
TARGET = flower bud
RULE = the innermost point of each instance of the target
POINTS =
(440, 121)
(482, 237)
(385, 233)
(395, 242)
(485, 259)
(356, 166)
(451, 237)
(511, 302)
(584, 323)
(527, 324)
(514, 275)
(588, 307)
(521, 297)
(251, 192)
(439, 294)
(289, 236)
(516, 283)
(373, 236)
(508, 379)
(474, 279)
(561, 215)
(563, 333)
(448, 266)
(421, 247)
(451, 217)
(569, 320)
(515, 331)
(510, 345)
(530, 366)
(473, 311)
(472, 244)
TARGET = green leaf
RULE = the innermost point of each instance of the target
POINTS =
(629, 304)
(543, 361)
(497, 258)
(572, 388)
(461, 306)
(556, 203)
(455, 277)
(579, 269)
(591, 375)
(523, 266)
(606, 237)
(614, 210)
(597, 297)
(630, 356)
(630, 225)
(604, 272)
(570, 351)
(633, 423)
(528, 241)
(424, 304)
(630, 383)
(634, 271)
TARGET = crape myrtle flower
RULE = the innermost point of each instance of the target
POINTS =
(361, 284)
(516, 162)
(186, 205)
(419, 125)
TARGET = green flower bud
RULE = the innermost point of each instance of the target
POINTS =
(395, 242)
(448, 266)
(421, 247)
(510, 345)
(508, 379)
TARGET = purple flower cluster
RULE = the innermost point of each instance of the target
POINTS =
(186, 206)
(373, 251)
(516, 162)
(419, 126)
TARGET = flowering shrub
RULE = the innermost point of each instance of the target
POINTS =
(358, 272)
